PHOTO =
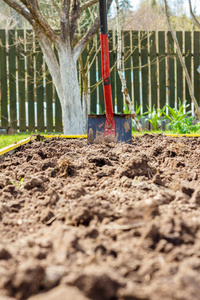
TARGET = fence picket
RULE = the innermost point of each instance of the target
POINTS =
(162, 66)
(3, 80)
(196, 75)
(39, 89)
(171, 75)
(179, 69)
(49, 101)
(127, 61)
(144, 65)
(30, 83)
(153, 62)
(112, 63)
(118, 84)
(188, 63)
(135, 57)
(21, 80)
(12, 78)
(100, 87)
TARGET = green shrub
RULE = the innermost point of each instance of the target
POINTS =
(155, 116)
(179, 121)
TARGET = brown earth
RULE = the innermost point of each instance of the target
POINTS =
(101, 222)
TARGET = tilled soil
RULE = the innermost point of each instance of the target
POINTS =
(101, 222)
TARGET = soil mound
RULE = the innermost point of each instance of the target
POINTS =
(101, 222)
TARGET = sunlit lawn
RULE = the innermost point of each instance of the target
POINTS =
(6, 140)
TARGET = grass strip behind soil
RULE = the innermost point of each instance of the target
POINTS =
(6, 140)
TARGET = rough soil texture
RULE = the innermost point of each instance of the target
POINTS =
(101, 222)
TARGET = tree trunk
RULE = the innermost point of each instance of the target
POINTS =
(73, 118)
(65, 77)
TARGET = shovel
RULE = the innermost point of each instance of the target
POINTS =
(108, 127)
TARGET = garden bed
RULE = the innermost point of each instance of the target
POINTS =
(101, 222)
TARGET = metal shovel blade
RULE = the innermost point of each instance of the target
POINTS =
(96, 129)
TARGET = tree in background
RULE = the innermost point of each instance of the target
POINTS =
(9, 18)
(61, 24)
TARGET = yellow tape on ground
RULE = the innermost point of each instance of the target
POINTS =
(65, 136)
(27, 140)
(15, 145)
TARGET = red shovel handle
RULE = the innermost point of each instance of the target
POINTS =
(105, 62)
(106, 77)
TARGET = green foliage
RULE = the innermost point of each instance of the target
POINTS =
(18, 184)
(177, 114)
(184, 126)
(6, 140)
(179, 121)
(155, 116)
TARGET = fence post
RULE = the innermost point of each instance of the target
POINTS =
(179, 69)
(3, 78)
(21, 80)
(162, 68)
(12, 78)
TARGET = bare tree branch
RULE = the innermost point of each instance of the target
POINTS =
(20, 10)
(73, 19)
(182, 60)
(64, 20)
(87, 4)
(89, 34)
(40, 21)
(193, 16)
(86, 38)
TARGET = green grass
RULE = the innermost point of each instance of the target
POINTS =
(6, 140)
(153, 132)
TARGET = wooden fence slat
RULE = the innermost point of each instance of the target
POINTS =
(93, 95)
(3, 80)
(112, 61)
(162, 68)
(39, 89)
(12, 78)
(171, 75)
(100, 87)
(30, 83)
(153, 62)
(135, 57)
(119, 94)
(21, 80)
(196, 39)
(144, 65)
(49, 101)
(127, 61)
(188, 64)
(179, 69)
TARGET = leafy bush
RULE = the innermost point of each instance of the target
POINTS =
(177, 114)
(184, 126)
(179, 121)
(155, 116)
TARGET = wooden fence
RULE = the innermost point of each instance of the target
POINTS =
(151, 67)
